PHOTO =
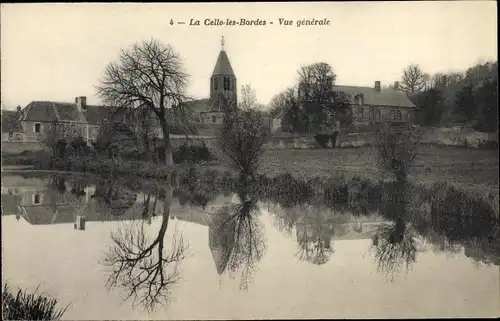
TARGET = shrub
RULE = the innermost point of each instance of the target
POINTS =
(322, 140)
(29, 306)
(396, 151)
(79, 145)
(191, 154)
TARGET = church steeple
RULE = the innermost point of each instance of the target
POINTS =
(223, 80)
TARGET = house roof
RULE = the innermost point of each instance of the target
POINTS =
(223, 66)
(96, 115)
(47, 111)
(10, 122)
(390, 98)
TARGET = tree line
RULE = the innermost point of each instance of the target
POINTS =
(312, 104)
(460, 97)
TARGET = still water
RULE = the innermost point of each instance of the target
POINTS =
(91, 243)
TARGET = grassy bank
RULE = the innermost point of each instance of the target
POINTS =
(25, 305)
(471, 169)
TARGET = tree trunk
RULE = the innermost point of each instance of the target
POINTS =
(147, 149)
(169, 161)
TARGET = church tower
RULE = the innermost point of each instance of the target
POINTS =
(223, 80)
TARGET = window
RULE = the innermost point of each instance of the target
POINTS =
(359, 99)
(36, 199)
(393, 115)
(372, 112)
(226, 83)
(377, 115)
(398, 115)
(216, 83)
(214, 119)
(38, 128)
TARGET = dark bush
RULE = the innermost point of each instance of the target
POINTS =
(322, 140)
(191, 154)
(79, 145)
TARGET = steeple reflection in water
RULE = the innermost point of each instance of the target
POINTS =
(236, 237)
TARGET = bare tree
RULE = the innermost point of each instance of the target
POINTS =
(396, 151)
(242, 138)
(316, 81)
(149, 75)
(134, 264)
(414, 79)
(248, 97)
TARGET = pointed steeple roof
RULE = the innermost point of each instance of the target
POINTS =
(223, 66)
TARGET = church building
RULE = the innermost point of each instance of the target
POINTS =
(223, 93)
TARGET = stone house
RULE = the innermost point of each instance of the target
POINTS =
(29, 124)
(374, 105)
(370, 106)
(12, 130)
(73, 119)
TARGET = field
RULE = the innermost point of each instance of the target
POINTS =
(472, 169)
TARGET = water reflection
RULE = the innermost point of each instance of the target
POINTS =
(145, 268)
(236, 237)
(401, 220)
(396, 244)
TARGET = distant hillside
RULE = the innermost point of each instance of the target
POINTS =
(474, 76)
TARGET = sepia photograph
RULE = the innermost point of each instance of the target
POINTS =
(259, 160)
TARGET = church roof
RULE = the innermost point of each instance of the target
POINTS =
(223, 66)
(219, 103)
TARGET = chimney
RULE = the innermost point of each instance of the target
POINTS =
(81, 103)
(396, 85)
(377, 86)
(19, 112)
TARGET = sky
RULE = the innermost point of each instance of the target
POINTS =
(56, 52)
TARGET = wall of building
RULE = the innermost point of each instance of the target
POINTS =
(364, 114)
(18, 147)
(209, 117)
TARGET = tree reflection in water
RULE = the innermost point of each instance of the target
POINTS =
(113, 197)
(141, 266)
(396, 245)
(239, 234)
(314, 236)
